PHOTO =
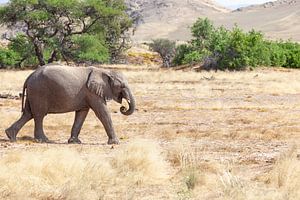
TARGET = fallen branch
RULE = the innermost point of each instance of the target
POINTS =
(10, 96)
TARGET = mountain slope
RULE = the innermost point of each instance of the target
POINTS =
(172, 18)
(280, 19)
(163, 18)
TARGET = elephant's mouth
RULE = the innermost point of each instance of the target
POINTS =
(120, 98)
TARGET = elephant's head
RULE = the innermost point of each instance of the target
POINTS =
(111, 85)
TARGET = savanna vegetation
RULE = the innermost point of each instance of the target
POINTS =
(79, 31)
(194, 135)
(220, 48)
(209, 135)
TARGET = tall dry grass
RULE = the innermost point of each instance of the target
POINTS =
(67, 173)
(200, 179)
(285, 175)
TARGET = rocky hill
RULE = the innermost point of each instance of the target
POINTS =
(271, 4)
(169, 18)
(172, 18)
(279, 19)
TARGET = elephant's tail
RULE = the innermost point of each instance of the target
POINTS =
(23, 95)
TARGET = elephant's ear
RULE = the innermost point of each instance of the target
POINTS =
(99, 83)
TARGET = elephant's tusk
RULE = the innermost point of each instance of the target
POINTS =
(125, 104)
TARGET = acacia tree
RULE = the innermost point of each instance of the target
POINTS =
(165, 48)
(78, 30)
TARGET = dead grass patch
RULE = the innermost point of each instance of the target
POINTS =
(67, 173)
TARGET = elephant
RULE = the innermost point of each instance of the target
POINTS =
(52, 89)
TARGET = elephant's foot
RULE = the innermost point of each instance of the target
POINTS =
(11, 134)
(113, 141)
(74, 140)
(43, 139)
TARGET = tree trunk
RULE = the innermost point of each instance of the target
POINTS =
(53, 57)
(39, 54)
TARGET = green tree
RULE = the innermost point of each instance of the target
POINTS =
(59, 28)
(88, 48)
(202, 32)
(165, 48)
(24, 49)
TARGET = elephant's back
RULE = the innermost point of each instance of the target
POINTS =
(59, 75)
(62, 87)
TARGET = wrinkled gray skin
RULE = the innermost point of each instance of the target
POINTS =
(61, 89)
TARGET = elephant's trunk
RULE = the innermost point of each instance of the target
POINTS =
(131, 102)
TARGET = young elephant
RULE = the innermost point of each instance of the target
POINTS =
(61, 89)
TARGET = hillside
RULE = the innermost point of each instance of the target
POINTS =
(165, 18)
(172, 18)
(280, 19)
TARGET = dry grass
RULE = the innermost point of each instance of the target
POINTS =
(12, 81)
(67, 173)
(208, 135)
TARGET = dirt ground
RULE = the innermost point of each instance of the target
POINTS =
(218, 135)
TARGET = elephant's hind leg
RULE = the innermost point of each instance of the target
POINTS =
(78, 122)
(39, 134)
(14, 129)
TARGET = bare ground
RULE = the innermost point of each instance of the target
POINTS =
(215, 135)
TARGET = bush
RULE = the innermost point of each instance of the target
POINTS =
(292, 53)
(8, 58)
(277, 54)
(165, 48)
(220, 48)
(192, 58)
(180, 53)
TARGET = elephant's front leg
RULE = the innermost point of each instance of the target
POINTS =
(103, 115)
(78, 122)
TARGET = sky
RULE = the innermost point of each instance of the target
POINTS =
(226, 3)
(239, 3)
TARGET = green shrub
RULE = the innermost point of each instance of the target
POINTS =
(277, 54)
(180, 53)
(8, 58)
(192, 58)
(292, 53)
(220, 48)
(257, 51)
